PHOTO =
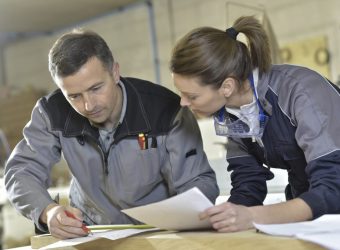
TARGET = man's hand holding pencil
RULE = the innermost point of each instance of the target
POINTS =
(64, 222)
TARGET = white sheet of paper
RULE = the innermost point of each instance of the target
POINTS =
(111, 235)
(179, 212)
(330, 241)
(324, 231)
(324, 224)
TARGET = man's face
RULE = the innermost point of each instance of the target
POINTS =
(93, 92)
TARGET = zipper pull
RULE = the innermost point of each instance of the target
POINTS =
(106, 167)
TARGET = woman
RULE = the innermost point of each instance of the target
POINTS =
(275, 116)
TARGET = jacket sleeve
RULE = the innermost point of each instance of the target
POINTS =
(248, 177)
(324, 193)
(187, 165)
(317, 133)
(27, 172)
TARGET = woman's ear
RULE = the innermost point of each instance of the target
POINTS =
(228, 86)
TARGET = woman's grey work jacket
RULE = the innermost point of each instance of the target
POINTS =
(301, 136)
(127, 175)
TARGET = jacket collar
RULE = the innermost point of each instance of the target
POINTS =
(135, 120)
(262, 89)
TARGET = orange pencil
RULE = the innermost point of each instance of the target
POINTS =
(84, 227)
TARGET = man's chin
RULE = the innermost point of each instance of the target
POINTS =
(96, 123)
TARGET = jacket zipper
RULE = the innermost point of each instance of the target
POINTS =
(105, 160)
(106, 165)
(104, 156)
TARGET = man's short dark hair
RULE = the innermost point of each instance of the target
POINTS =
(72, 50)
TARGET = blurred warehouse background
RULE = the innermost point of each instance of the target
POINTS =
(141, 35)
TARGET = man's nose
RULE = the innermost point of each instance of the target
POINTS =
(88, 103)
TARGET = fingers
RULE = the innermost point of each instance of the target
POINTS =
(63, 226)
(226, 217)
(66, 232)
(213, 210)
(223, 219)
(222, 208)
(224, 225)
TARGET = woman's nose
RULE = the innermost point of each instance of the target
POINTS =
(184, 102)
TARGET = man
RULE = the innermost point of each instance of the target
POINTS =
(127, 143)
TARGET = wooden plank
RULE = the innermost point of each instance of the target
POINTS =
(200, 240)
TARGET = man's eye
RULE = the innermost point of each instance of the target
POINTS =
(74, 97)
(192, 98)
(96, 88)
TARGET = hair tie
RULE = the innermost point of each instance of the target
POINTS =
(232, 33)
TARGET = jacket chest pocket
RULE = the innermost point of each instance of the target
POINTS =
(139, 171)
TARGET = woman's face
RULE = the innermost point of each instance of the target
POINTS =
(204, 101)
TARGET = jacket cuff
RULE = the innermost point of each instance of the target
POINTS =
(315, 202)
(41, 228)
(244, 200)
